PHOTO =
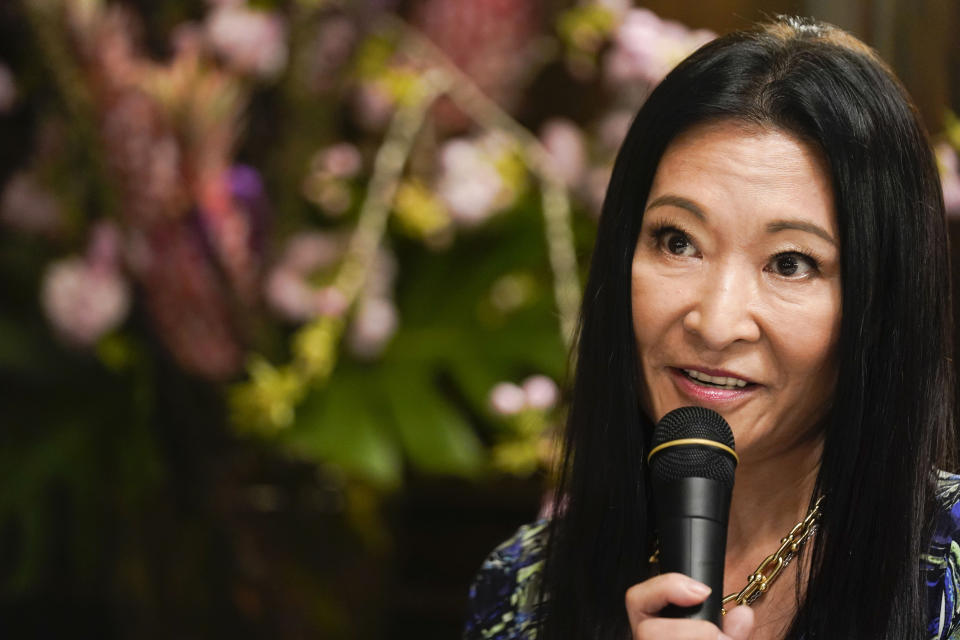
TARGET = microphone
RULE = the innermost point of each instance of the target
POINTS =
(692, 463)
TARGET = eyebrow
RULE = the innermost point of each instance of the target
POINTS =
(677, 201)
(670, 200)
(800, 225)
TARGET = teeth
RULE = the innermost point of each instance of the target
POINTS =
(719, 381)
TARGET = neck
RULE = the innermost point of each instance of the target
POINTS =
(770, 495)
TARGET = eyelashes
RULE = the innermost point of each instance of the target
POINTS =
(673, 240)
(793, 261)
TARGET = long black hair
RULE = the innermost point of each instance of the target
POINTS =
(891, 422)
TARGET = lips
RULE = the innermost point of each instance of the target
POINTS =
(730, 382)
(711, 386)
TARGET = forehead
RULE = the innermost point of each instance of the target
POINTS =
(735, 168)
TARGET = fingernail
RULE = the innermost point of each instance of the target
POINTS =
(699, 589)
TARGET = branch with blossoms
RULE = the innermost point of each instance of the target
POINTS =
(267, 402)
(191, 231)
(269, 399)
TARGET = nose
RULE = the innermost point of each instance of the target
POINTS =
(724, 311)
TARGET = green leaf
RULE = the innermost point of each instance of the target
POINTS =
(435, 436)
(345, 424)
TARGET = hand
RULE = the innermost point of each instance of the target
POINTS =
(646, 599)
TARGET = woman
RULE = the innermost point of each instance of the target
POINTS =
(772, 246)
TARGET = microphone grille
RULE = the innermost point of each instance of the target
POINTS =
(693, 461)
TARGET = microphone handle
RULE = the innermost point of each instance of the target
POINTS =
(692, 518)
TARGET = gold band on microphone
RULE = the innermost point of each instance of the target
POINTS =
(703, 441)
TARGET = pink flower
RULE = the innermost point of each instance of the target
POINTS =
(372, 106)
(145, 160)
(646, 48)
(83, 301)
(104, 246)
(232, 211)
(341, 160)
(540, 392)
(311, 250)
(250, 41)
(288, 289)
(289, 293)
(187, 301)
(507, 399)
(949, 177)
(372, 327)
(567, 146)
(470, 184)
(490, 40)
(28, 207)
(8, 89)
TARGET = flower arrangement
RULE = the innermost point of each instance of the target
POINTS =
(359, 227)
(357, 230)
(436, 160)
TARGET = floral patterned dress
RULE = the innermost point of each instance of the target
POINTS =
(503, 595)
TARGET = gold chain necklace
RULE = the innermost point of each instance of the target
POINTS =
(760, 580)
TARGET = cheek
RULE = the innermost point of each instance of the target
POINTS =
(644, 302)
(808, 341)
(655, 302)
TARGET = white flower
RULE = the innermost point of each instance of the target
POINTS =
(567, 146)
(507, 399)
(470, 184)
(287, 288)
(540, 392)
(250, 41)
(646, 48)
(291, 295)
(83, 301)
(373, 325)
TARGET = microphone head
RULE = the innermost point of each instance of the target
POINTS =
(674, 462)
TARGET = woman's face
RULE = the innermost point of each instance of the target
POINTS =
(736, 284)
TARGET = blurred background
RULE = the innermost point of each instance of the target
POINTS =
(287, 289)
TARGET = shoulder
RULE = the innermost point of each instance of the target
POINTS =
(941, 563)
(503, 595)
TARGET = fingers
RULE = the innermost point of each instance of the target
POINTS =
(647, 598)
(676, 629)
(738, 623)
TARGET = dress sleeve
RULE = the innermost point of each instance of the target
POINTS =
(942, 564)
(502, 601)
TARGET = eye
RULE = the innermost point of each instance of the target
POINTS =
(793, 265)
(674, 241)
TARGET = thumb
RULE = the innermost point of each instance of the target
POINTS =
(738, 623)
